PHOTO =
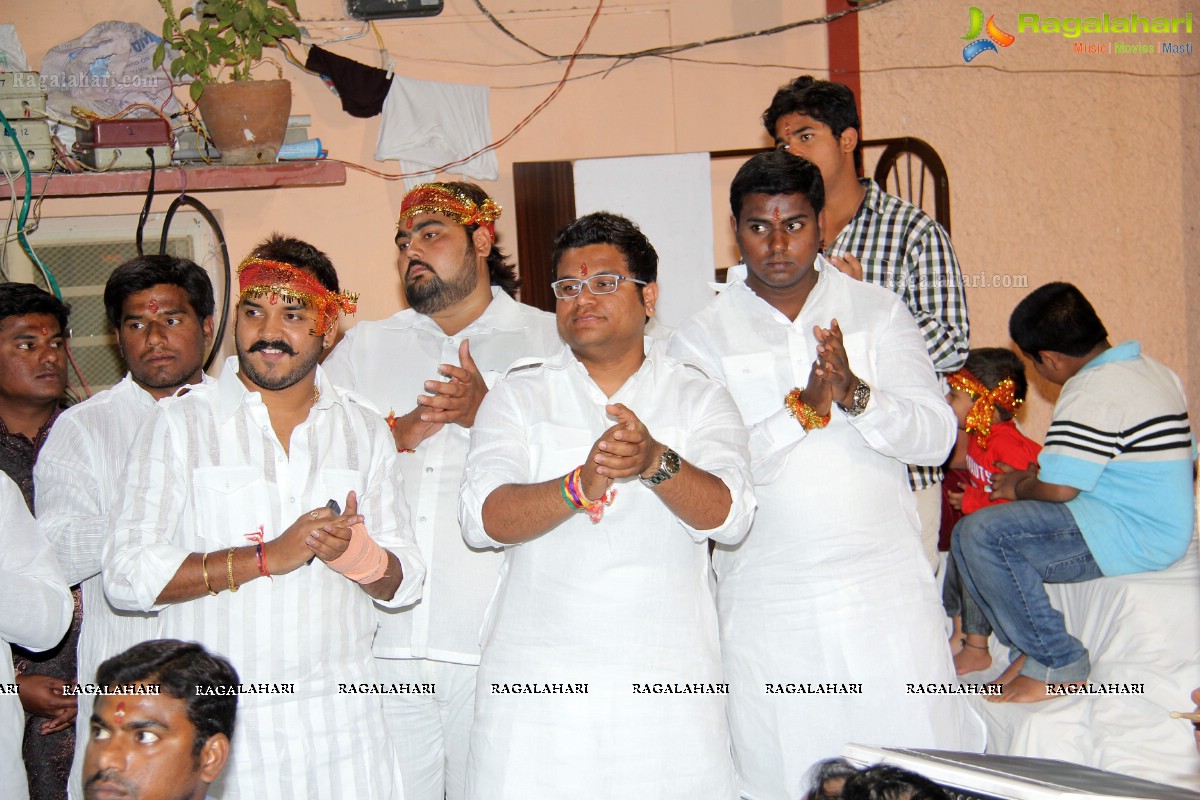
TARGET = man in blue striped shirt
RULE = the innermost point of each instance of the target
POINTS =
(1113, 495)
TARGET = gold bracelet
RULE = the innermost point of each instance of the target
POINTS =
(204, 569)
(233, 587)
(803, 413)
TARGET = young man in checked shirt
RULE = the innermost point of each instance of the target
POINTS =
(878, 238)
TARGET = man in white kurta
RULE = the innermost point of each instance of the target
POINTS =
(831, 628)
(600, 675)
(36, 610)
(161, 309)
(223, 529)
(448, 339)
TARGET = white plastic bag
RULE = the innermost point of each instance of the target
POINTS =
(105, 71)
(12, 55)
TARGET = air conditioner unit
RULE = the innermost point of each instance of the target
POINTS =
(81, 252)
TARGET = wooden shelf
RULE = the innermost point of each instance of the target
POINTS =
(199, 178)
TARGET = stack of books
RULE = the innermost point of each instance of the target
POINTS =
(191, 146)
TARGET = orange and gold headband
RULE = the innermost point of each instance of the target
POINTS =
(258, 277)
(442, 198)
(979, 418)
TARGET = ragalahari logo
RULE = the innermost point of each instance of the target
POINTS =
(994, 37)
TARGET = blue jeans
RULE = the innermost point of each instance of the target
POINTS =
(957, 602)
(1005, 554)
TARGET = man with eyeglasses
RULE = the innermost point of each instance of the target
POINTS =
(428, 367)
(604, 471)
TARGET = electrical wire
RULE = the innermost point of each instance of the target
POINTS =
(186, 199)
(24, 215)
(620, 59)
(383, 51)
(141, 226)
(295, 62)
(33, 113)
(348, 37)
(506, 137)
(91, 116)
(12, 214)
(679, 48)
(71, 357)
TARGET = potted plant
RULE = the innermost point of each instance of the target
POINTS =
(246, 118)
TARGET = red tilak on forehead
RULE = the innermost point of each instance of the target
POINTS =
(787, 130)
(775, 214)
(583, 269)
(45, 331)
(153, 306)
(408, 224)
(120, 712)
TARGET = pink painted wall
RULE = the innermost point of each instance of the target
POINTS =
(1063, 166)
(646, 106)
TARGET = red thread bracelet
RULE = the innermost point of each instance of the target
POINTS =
(262, 560)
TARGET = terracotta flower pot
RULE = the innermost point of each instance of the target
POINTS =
(247, 119)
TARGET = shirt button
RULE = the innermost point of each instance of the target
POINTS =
(428, 470)
(279, 459)
(422, 519)
(449, 340)
(291, 500)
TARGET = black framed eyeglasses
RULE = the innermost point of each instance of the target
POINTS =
(570, 288)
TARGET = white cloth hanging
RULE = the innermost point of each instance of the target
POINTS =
(426, 124)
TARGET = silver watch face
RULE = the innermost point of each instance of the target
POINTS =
(668, 464)
(862, 396)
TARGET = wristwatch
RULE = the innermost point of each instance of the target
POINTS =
(862, 396)
(668, 465)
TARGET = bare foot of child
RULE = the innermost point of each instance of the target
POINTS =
(1010, 672)
(974, 656)
(1024, 689)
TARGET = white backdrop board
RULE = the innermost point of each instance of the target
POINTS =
(669, 197)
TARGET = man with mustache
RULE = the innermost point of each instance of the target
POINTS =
(430, 365)
(167, 745)
(161, 310)
(264, 516)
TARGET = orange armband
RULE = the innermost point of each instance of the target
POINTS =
(364, 560)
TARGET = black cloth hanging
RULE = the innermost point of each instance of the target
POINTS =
(361, 88)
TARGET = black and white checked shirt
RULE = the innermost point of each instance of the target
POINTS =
(905, 250)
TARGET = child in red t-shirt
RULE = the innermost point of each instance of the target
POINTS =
(984, 394)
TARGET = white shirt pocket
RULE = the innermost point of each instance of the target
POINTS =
(556, 449)
(231, 503)
(337, 483)
(860, 355)
(753, 383)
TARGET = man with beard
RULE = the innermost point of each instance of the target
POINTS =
(161, 310)
(229, 527)
(431, 365)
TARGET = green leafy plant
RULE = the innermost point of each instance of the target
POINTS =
(227, 34)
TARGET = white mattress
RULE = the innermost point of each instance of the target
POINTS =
(1139, 629)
